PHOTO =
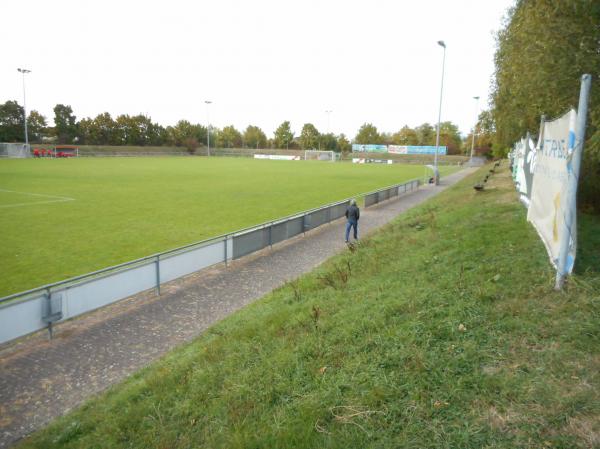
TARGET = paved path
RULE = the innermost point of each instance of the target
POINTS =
(41, 379)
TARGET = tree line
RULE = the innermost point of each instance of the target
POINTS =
(543, 48)
(140, 130)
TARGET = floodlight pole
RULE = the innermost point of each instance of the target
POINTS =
(24, 71)
(474, 128)
(208, 103)
(437, 137)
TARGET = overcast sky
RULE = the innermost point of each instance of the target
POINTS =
(259, 61)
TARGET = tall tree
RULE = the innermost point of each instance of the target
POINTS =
(368, 134)
(254, 137)
(485, 132)
(309, 137)
(329, 142)
(85, 128)
(125, 133)
(11, 122)
(386, 138)
(229, 137)
(426, 134)
(36, 126)
(542, 50)
(343, 144)
(406, 136)
(65, 124)
(184, 130)
(103, 130)
(450, 137)
(283, 135)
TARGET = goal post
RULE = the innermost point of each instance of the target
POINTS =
(14, 150)
(319, 155)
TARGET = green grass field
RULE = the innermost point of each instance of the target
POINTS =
(61, 218)
(461, 342)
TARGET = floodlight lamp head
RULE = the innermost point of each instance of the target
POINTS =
(441, 44)
(24, 70)
(207, 101)
(475, 98)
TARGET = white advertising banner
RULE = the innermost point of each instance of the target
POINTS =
(525, 151)
(530, 156)
(277, 157)
(550, 164)
(519, 173)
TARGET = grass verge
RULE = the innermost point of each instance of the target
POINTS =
(442, 330)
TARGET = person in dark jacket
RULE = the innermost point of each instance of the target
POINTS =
(352, 215)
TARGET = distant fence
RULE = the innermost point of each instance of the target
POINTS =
(132, 153)
(32, 310)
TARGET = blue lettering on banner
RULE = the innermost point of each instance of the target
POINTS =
(398, 149)
(554, 148)
(571, 140)
(551, 173)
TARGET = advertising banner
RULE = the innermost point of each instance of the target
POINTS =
(528, 166)
(416, 149)
(277, 157)
(363, 160)
(548, 207)
(521, 148)
(514, 162)
(360, 148)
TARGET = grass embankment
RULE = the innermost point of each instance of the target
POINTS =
(443, 330)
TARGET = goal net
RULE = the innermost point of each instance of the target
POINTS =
(14, 150)
(318, 155)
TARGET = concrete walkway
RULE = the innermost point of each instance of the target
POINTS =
(41, 380)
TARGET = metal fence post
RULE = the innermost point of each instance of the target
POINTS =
(225, 249)
(157, 262)
(49, 306)
(573, 167)
(271, 235)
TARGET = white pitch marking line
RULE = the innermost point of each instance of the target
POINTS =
(40, 194)
(37, 202)
(57, 199)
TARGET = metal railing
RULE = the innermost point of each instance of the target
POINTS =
(38, 308)
(387, 193)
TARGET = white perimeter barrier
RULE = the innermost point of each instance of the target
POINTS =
(277, 157)
(363, 160)
(26, 312)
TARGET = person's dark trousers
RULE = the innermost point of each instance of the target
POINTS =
(352, 224)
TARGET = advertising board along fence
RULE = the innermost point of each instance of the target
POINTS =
(26, 312)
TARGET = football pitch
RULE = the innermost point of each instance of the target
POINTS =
(63, 218)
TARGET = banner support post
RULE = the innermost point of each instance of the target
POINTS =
(573, 167)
